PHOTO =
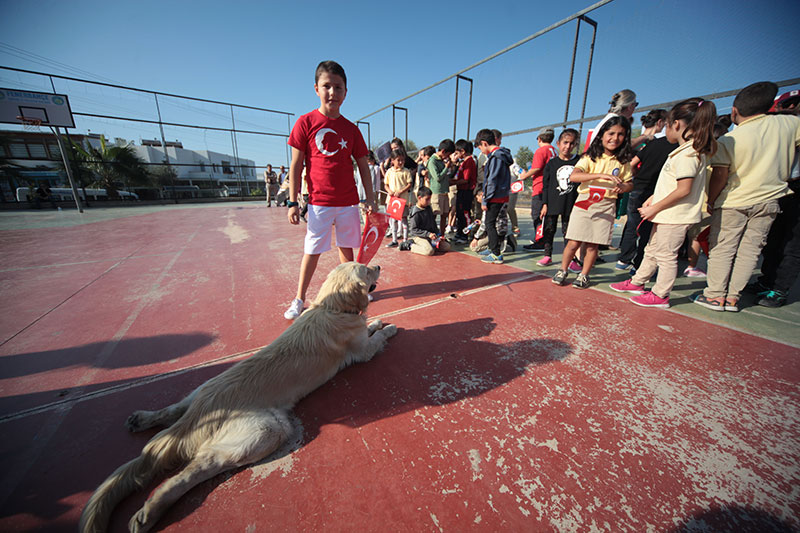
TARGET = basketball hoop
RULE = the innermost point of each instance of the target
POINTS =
(30, 123)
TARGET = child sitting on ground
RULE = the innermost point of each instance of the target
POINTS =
(422, 227)
(398, 183)
(603, 172)
(677, 202)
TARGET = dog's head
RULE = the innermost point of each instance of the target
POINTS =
(347, 288)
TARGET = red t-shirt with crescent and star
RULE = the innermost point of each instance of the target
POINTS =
(328, 145)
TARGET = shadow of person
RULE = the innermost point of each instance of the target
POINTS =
(127, 353)
(433, 366)
(430, 367)
(734, 518)
(445, 287)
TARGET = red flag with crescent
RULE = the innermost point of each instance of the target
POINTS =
(374, 229)
(703, 239)
(395, 207)
(595, 195)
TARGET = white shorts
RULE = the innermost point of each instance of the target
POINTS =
(321, 220)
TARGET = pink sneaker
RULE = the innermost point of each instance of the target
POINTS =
(575, 267)
(693, 272)
(627, 286)
(649, 299)
(544, 261)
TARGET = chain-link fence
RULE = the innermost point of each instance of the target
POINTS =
(140, 144)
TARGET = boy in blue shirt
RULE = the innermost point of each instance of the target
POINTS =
(496, 188)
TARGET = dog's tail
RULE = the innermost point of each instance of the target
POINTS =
(162, 453)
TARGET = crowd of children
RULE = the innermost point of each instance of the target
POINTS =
(740, 190)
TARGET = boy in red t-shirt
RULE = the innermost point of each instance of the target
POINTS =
(324, 142)
(541, 156)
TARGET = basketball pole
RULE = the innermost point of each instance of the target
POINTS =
(63, 151)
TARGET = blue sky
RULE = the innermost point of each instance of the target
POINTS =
(264, 54)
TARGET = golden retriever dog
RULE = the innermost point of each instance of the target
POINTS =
(241, 416)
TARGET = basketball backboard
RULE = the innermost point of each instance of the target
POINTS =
(51, 109)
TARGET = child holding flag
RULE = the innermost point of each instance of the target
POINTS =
(603, 172)
(323, 142)
(398, 183)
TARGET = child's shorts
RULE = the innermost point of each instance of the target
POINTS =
(594, 225)
(322, 219)
(440, 203)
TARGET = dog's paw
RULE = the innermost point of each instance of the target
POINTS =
(374, 326)
(139, 523)
(135, 422)
(390, 330)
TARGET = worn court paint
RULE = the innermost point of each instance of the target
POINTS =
(514, 405)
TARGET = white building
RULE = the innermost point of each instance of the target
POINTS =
(202, 167)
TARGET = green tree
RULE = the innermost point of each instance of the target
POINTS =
(162, 175)
(524, 156)
(112, 165)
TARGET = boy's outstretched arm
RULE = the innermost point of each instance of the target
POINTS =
(366, 181)
(295, 173)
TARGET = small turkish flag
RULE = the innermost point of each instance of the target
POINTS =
(395, 207)
(517, 186)
(374, 229)
(703, 239)
(539, 233)
(595, 195)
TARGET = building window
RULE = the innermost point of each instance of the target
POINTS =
(37, 151)
(18, 150)
(202, 167)
(226, 167)
(55, 153)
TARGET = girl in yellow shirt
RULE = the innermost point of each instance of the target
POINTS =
(603, 172)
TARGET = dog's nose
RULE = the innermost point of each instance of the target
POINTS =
(378, 267)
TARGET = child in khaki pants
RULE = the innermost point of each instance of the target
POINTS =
(749, 175)
(677, 202)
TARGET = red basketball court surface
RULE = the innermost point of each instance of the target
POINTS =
(504, 403)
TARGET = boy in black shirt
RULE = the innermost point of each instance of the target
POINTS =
(558, 192)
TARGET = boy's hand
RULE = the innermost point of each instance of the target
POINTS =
(294, 215)
(370, 206)
(432, 236)
(648, 212)
(612, 178)
(543, 212)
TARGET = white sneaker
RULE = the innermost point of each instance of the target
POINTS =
(295, 309)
